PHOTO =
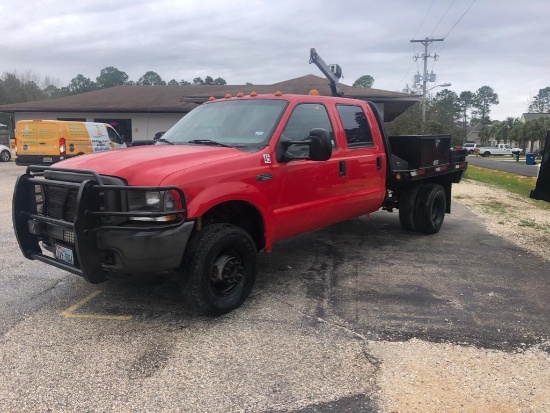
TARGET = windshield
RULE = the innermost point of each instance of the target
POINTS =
(236, 123)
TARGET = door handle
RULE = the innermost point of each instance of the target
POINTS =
(342, 168)
(379, 163)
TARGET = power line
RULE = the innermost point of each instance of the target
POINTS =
(442, 17)
(417, 30)
(426, 15)
(440, 49)
(458, 21)
(405, 75)
(419, 27)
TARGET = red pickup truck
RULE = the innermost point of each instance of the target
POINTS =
(230, 179)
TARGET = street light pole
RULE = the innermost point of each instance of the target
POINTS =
(424, 92)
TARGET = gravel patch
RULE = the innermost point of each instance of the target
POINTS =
(518, 219)
(426, 377)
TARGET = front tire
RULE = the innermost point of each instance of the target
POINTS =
(430, 209)
(5, 156)
(219, 269)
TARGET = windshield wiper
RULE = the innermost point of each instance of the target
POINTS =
(164, 141)
(208, 142)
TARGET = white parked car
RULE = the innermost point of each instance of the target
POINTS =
(5, 153)
(470, 146)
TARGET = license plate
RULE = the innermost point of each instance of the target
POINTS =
(47, 159)
(64, 254)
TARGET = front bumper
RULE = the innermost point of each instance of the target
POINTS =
(89, 234)
(26, 160)
(144, 252)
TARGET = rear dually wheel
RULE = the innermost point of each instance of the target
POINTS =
(407, 201)
(430, 208)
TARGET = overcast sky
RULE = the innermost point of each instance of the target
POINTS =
(500, 43)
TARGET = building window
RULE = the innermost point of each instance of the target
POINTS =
(122, 126)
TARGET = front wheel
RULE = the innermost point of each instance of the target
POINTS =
(219, 269)
(430, 208)
(5, 156)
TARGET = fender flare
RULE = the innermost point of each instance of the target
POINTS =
(234, 191)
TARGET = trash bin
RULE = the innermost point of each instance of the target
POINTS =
(530, 158)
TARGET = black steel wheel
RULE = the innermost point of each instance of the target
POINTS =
(407, 201)
(5, 155)
(430, 208)
(219, 269)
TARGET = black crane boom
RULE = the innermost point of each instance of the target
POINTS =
(332, 72)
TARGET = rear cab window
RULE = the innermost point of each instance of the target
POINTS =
(356, 126)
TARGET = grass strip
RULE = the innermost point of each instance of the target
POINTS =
(516, 184)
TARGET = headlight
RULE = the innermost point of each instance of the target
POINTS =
(152, 201)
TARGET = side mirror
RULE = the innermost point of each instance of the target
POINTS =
(320, 146)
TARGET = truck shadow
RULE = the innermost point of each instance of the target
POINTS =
(386, 283)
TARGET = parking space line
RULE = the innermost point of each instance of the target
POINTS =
(69, 312)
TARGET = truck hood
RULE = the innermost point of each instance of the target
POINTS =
(150, 165)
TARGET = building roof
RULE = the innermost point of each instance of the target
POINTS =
(473, 132)
(526, 117)
(181, 99)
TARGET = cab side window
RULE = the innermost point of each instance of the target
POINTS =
(303, 119)
(356, 126)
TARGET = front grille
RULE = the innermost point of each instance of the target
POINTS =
(58, 203)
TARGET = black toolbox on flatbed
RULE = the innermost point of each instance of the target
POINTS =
(422, 151)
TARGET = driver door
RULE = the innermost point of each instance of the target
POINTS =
(307, 188)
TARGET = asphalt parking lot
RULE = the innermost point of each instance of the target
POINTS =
(302, 341)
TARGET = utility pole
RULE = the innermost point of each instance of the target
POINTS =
(425, 76)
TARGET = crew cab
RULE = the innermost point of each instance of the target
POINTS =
(230, 179)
